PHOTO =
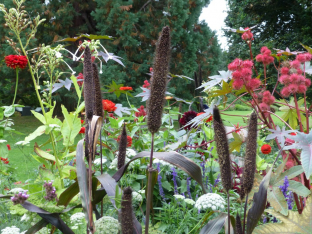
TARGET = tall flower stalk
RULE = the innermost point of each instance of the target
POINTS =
(156, 102)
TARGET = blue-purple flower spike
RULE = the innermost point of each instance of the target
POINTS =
(188, 187)
(174, 175)
(161, 190)
(284, 189)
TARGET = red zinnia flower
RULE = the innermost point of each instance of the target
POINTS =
(266, 149)
(126, 88)
(108, 105)
(9, 147)
(82, 130)
(6, 162)
(208, 120)
(80, 77)
(16, 61)
(81, 121)
(129, 140)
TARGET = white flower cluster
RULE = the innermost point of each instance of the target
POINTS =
(186, 200)
(77, 219)
(113, 165)
(129, 153)
(10, 230)
(107, 225)
(210, 201)
(136, 198)
(97, 161)
(16, 190)
(163, 163)
(25, 218)
(44, 230)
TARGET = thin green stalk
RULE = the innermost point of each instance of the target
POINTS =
(15, 86)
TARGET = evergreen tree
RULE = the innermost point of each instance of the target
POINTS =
(135, 26)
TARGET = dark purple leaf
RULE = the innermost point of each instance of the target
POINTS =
(109, 184)
(82, 179)
(68, 194)
(42, 223)
(171, 157)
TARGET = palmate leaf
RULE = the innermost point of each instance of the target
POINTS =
(226, 89)
(108, 56)
(66, 83)
(121, 109)
(290, 114)
(215, 80)
(292, 224)
(237, 143)
(303, 142)
(307, 68)
(280, 134)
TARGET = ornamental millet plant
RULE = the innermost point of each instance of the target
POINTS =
(156, 101)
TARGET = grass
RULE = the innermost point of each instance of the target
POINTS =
(20, 156)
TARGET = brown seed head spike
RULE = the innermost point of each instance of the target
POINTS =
(97, 104)
(159, 81)
(122, 148)
(222, 150)
(126, 212)
(251, 153)
(88, 83)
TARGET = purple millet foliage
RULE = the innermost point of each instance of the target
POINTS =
(174, 175)
(19, 198)
(161, 190)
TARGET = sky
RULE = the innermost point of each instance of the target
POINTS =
(214, 15)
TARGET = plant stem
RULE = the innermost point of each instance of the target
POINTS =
(15, 86)
(298, 113)
(245, 209)
(101, 169)
(251, 56)
(228, 210)
(149, 187)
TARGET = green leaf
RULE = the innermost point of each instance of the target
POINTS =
(298, 188)
(259, 200)
(67, 195)
(41, 153)
(165, 184)
(293, 223)
(214, 226)
(39, 116)
(1, 113)
(91, 37)
(70, 127)
(277, 200)
(236, 144)
(8, 111)
(114, 88)
(226, 89)
(77, 88)
(80, 108)
(4, 152)
(38, 132)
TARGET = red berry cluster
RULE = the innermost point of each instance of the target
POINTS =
(265, 100)
(242, 74)
(265, 56)
(146, 84)
(292, 78)
(247, 35)
(4, 160)
(141, 112)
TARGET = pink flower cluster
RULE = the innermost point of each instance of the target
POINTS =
(141, 112)
(20, 198)
(242, 74)
(292, 78)
(265, 56)
(247, 35)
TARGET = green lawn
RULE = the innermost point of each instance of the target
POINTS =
(20, 157)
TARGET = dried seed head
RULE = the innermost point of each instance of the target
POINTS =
(122, 148)
(97, 102)
(222, 150)
(88, 83)
(126, 211)
(239, 229)
(251, 153)
(159, 81)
